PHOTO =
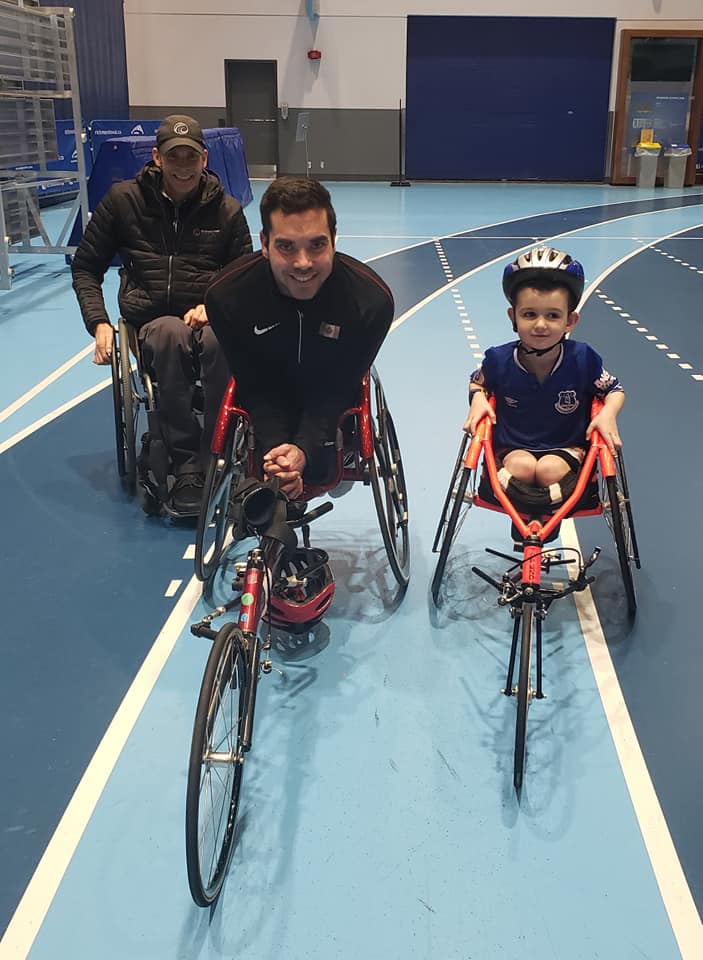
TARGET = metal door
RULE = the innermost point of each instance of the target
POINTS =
(252, 105)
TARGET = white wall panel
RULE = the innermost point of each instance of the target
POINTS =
(176, 55)
(180, 59)
(657, 10)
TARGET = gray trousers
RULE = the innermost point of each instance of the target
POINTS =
(177, 357)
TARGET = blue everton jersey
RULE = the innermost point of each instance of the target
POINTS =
(550, 415)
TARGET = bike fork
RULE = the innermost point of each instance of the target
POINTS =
(508, 689)
(252, 655)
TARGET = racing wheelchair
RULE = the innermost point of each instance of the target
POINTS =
(601, 488)
(284, 586)
(134, 389)
(366, 450)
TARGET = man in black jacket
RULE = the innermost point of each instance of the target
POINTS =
(299, 324)
(174, 228)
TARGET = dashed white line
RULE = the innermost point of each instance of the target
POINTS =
(462, 312)
(649, 337)
(173, 588)
(678, 260)
(444, 263)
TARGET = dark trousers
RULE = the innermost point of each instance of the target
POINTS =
(177, 356)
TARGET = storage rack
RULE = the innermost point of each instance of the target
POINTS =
(37, 67)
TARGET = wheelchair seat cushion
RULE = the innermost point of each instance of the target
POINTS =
(541, 501)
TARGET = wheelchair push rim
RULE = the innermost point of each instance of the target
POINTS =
(454, 511)
(126, 407)
(224, 473)
(387, 479)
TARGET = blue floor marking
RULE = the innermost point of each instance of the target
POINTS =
(425, 935)
(83, 559)
(415, 273)
(379, 814)
(655, 673)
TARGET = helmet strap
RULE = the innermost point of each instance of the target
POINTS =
(538, 353)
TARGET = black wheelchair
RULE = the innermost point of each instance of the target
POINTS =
(143, 462)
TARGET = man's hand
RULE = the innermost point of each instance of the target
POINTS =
(104, 339)
(286, 462)
(196, 317)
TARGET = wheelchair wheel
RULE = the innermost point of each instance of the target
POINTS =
(126, 408)
(223, 475)
(618, 515)
(524, 695)
(215, 767)
(388, 484)
(453, 513)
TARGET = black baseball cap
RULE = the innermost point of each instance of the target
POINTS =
(179, 130)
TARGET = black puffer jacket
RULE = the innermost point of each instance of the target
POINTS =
(169, 254)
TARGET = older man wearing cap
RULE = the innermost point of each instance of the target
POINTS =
(174, 228)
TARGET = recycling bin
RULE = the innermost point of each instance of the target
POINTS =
(646, 160)
(675, 159)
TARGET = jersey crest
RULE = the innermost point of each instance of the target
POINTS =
(566, 401)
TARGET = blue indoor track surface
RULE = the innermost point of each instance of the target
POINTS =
(378, 817)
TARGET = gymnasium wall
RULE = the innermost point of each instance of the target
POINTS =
(176, 52)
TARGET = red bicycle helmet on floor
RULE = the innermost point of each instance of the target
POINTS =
(303, 592)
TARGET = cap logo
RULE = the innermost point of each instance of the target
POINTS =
(181, 129)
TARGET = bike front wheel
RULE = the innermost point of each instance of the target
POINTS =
(215, 766)
(524, 696)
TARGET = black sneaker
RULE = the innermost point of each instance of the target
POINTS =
(187, 494)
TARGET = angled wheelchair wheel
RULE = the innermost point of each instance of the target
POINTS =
(524, 695)
(388, 484)
(215, 767)
(117, 409)
(618, 514)
(453, 514)
(222, 477)
(125, 399)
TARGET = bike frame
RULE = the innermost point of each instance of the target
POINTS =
(521, 587)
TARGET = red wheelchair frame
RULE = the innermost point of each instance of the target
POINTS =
(521, 587)
(375, 460)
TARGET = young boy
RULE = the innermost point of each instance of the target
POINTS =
(543, 383)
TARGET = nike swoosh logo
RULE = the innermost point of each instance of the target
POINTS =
(259, 330)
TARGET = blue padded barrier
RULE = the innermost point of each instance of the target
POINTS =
(120, 158)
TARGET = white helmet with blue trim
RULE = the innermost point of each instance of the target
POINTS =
(545, 263)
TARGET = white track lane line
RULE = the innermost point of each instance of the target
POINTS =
(668, 872)
(512, 253)
(46, 382)
(38, 424)
(34, 905)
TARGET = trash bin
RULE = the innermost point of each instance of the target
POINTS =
(675, 159)
(647, 157)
